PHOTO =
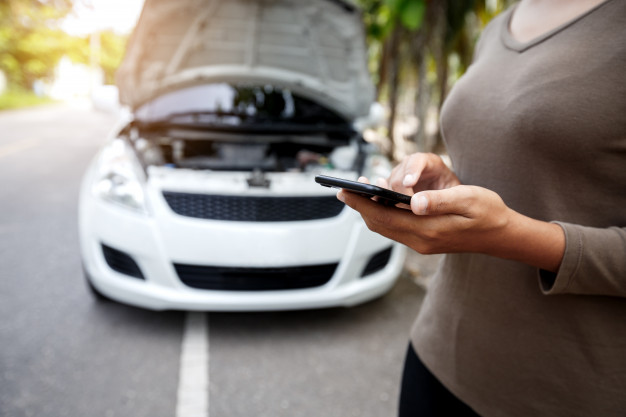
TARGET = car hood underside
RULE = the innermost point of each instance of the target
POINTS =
(313, 47)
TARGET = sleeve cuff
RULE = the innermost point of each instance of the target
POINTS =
(558, 283)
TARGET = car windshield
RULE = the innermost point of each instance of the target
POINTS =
(239, 106)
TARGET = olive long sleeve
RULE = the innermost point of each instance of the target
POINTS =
(594, 262)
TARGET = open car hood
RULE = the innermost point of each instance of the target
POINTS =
(313, 47)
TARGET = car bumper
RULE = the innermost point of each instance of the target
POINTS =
(158, 241)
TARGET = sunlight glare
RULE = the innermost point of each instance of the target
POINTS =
(96, 15)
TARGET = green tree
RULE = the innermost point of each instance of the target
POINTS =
(30, 41)
(387, 24)
(112, 49)
(423, 43)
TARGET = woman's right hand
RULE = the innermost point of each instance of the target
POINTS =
(420, 172)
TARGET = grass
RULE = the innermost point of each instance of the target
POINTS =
(15, 99)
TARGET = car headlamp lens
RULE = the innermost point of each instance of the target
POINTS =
(118, 180)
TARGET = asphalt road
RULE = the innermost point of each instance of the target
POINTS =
(62, 353)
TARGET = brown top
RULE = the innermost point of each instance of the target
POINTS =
(543, 124)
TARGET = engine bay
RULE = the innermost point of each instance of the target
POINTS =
(243, 153)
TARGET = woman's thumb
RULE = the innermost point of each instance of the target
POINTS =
(449, 200)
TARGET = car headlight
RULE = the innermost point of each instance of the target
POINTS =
(119, 177)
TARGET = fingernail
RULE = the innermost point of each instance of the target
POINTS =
(340, 196)
(422, 204)
(380, 182)
(408, 180)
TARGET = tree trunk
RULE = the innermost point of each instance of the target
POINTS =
(422, 98)
(421, 45)
(394, 80)
(383, 66)
(440, 55)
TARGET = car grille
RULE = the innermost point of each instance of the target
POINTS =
(252, 209)
(254, 279)
(121, 262)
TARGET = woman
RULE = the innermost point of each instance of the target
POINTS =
(526, 315)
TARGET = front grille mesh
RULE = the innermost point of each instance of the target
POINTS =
(254, 279)
(252, 208)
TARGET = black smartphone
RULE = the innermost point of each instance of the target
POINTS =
(385, 196)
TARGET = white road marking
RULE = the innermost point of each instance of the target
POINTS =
(21, 145)
(193, 382)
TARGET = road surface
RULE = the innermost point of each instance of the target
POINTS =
(62, 353)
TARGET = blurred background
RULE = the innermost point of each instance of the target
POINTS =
(63, 354)
(67, 49)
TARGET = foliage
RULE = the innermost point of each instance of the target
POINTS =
(31, 42)
(409, 12)
(381, 16)
(112, 49)
(423, 44)
(15, 99)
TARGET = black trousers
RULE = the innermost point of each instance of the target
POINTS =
(422, 395)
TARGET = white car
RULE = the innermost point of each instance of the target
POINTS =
(204, 198)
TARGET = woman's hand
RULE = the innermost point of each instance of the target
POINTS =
(457, 219)
(421, 171)
(447, 217)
